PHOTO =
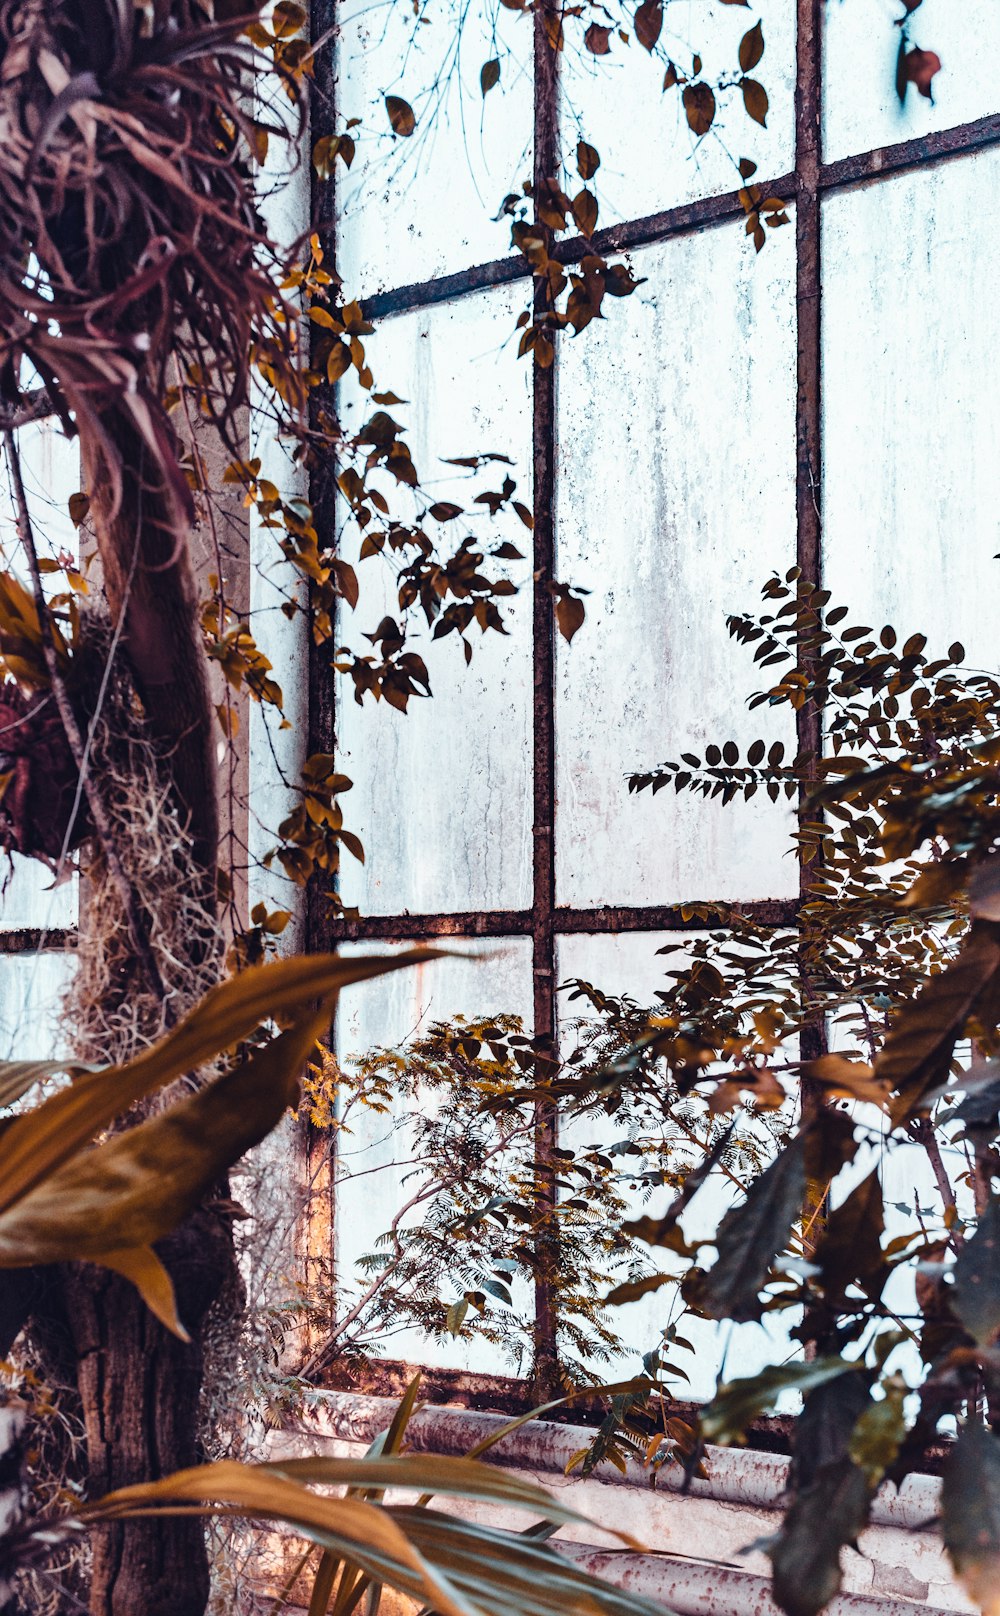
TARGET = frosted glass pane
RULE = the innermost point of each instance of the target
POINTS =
(29, 898)
(415, 207)
(912, 404)
(630, 965)
(31, 993)
(677, 501)
(861, 107)
(650, 159)
(377, 1152)
(442, 797)
(50, 465)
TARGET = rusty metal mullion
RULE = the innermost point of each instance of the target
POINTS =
(546, 116)
(808, 406)
(318, 1234)
(323, 484)
(693, 916)
(866, 167)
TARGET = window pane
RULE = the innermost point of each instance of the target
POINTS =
(861, 107)
(650, 159)
(912, 403)
(31, 992)
(442, 797)
(377, 1173)
(629, 965)
(419, 206)
(50, 464)
(677, 447)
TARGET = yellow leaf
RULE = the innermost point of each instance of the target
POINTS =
(143, 1268)
(42, 1140)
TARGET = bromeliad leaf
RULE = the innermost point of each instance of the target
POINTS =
(40, 1141)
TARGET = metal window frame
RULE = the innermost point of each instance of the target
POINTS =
(806, 186)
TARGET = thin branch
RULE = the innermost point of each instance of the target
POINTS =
(37, 406)
(95, 800)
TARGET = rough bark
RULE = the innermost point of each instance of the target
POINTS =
(141, 1391)
(141, 1387)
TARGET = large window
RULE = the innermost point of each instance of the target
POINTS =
(830, 404)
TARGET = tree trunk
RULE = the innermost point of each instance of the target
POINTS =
(141, 1392)
(140, 1386)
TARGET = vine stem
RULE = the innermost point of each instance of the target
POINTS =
(100, 817)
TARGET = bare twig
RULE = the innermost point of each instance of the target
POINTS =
(37, 406)
(95, 802)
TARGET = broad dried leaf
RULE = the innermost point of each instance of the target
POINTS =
(649, 23)
(400, 115)
(751, 48)
(699, 106)
(984, 889)
(597, 39)
(755, 100)
(489, 75)
(570, 614)
(848, 1079)
(588, 160)
(850, 1248)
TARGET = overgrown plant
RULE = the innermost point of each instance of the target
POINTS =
(61, 1196)
(897, 958)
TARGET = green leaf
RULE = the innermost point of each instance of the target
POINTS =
(917, 1054)
(975, 1295)
(970, 1510)
(739, 1402)
(879, 1432)
(751, 1235)
(806, 1553)
(455, 1316)
(850, 1250)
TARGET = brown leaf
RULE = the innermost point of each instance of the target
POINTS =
(984, 889)
(649, 23)
(751, 48)
(400, 115)
(489, 75)
(585, 212)
(597, 39)
(588, 160)
(570, 614)
(847, 1079)
(755, 100)
(699, 105)
(919, 68)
